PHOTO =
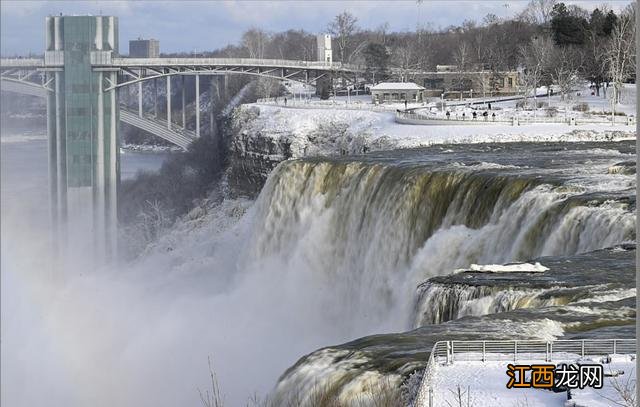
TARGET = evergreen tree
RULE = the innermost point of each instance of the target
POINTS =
(377, 59)
(567, 29)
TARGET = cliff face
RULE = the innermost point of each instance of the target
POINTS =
(252, 153)
(260, 137)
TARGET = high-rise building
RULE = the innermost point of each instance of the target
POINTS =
(142, 48)
(325, 53)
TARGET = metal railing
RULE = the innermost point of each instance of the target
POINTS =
(417, 118)
(325, 104)
(276, 63)
(21, 62)
(447, 352)
(249, 62)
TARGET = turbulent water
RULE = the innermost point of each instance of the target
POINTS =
(374, 228)
(602, 275)
(337, 249)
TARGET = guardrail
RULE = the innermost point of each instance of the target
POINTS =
(447, 352)
(21, 62)
(404, 117)
(325, 104)
(279, 63)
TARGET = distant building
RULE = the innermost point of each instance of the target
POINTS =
(325, 53)
(141, 48)
(446, 68)
(477, 81)
(389, 92)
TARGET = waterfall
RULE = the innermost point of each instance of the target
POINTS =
(371, 232)
(438, 303)
(366, 234)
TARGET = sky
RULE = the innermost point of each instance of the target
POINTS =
(205, 25)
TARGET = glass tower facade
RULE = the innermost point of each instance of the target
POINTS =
(83, 129)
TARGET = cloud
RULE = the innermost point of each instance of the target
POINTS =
(207, 25)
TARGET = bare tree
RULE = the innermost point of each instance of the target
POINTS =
(292, 44)
(490, 19)
(538, 11)
(268, 87)
(212, 397)
(462, 59)
(461, 397)
(357, 51)
(408, 55)
(342, 28)
(255, 41)
(564, 67)
(595, 62)
(620, 52)
(535, 57)
(381, 33)
(424, 45)
(625, 390)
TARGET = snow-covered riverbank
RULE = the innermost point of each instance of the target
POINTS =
(264, 135)
(298, 123)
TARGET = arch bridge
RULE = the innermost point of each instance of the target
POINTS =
(80, 76)
(29, 76)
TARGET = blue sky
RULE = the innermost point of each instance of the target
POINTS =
(207, 25)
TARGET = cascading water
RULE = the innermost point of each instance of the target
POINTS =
(437, 303)
(372, 232)
(332, 250)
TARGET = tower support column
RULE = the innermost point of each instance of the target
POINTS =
(197, 105)
(140, 99)
(169, 102)
(184, 112)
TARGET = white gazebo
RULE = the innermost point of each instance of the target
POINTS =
(394, 92)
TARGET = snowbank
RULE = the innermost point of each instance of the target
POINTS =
(298, 122)
(509, 268)
(485, 385)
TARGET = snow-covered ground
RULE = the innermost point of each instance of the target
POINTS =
(303, 96)
(299, 122)
(149, 148)
(486, 382)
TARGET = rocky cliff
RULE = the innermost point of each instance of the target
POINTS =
(260, 137)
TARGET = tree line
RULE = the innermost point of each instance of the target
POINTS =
(548, 42)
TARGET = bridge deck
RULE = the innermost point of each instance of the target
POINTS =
(132, 63)
(240, 62)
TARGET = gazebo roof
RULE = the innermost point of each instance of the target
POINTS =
(397, 86)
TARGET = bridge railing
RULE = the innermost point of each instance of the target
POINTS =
(326, 104)
(412, 117)
(275, 63)
(447, 352)
(249, 62)
(21, 62)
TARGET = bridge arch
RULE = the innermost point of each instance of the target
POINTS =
(208, 73)
(181, 138)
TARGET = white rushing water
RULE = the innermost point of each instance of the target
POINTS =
(329, 252)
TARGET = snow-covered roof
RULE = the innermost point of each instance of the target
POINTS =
(397, 86)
